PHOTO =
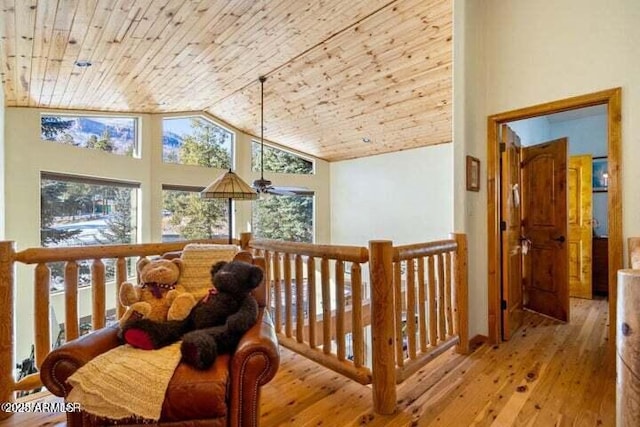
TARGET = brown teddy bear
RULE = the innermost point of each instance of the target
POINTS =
(158, 297)
(216, 323)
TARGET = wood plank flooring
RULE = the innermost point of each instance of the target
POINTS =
(549, 374)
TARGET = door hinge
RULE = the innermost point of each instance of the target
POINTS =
(503, 225)
(503, 304)
(503, 147)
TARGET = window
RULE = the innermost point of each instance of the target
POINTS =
(196, 141)
(81, 211)
(279, 161)
(284, 218)
(116, 135)
(185, 215)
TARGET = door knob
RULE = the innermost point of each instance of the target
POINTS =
(560, 239)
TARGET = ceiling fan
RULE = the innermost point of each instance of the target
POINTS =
(264, 186)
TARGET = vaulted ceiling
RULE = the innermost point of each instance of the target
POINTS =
(338, 71)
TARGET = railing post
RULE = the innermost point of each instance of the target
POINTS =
(461, 306)
(382, 327)
(7, 250)
(628, 349)
(245, 238)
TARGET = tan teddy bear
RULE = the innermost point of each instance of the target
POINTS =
(158, 297)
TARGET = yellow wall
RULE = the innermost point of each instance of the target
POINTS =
(27, 156)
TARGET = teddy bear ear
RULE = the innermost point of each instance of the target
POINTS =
(217, 267)
(179, 263)
(142, 263)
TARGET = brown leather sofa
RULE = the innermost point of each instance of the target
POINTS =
(227, 394)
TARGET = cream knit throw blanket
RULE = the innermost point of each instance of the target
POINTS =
(125, 382)
(128, 382)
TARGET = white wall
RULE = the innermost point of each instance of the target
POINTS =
(531, 52)
(406, 197)
(26, 155)
(469, 97)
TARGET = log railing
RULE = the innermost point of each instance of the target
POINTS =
(628, 340)
(374, 314)
(41, 258)
(412, 308)
(309, 302)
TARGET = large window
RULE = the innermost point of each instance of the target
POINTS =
(80, 211)
(185, 215)
(196, 141)
(116, 135)
(279, 161)
(284, 217)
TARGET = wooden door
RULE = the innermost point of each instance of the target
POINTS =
(580, 221)
(544, 222)
(510, 223)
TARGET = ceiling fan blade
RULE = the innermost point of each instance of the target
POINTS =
(290, 191)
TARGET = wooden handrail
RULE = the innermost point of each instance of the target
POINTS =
(405, 252)
(76, 253)
(341, 253)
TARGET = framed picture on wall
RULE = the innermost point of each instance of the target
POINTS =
(473, 173)
(600, 174)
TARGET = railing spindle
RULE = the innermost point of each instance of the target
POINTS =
(277, 290)
(299, 300)
(121, 277)
(422, 300)
(41, 313)
(397, 289)
(433, 328)
(71, 301)
(441, 317)
(411, 308)
(356, 313)
(288, 297)
(340, 309)
(313, 315)
(326, 305)
(447, 293)
(98, 294)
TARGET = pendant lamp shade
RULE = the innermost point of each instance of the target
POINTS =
(229, 186)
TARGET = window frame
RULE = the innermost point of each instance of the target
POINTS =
(137, 130)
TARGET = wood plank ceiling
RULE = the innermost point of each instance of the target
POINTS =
(337, 71)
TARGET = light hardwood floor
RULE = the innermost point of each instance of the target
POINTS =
(549, 374)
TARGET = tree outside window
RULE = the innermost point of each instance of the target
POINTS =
(287, 218)
(81, 211)
(185, 215)
(196, 141)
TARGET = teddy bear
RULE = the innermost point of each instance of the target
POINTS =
(158, 297)
(214, 326)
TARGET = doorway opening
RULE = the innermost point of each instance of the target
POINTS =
(611, 100)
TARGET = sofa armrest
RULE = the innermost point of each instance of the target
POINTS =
(254, 363)
(62, 362)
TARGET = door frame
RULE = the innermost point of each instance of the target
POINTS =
(612, 99)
